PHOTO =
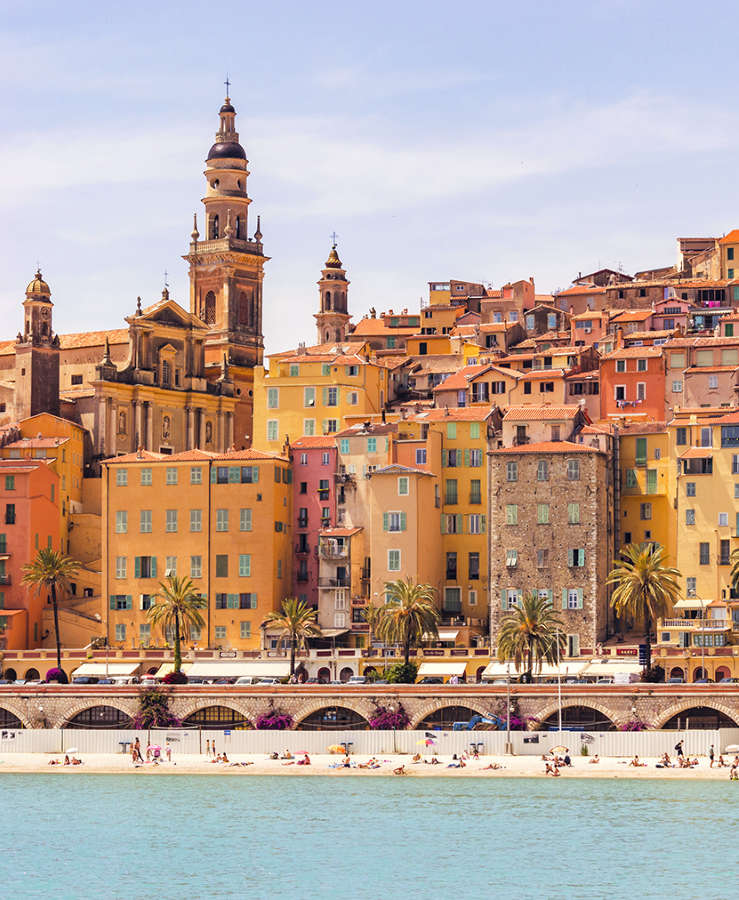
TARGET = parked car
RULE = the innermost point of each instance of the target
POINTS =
(676, 679)
(431, 679)
(358, 679)
(246, 679)
(85, 679)
(269, 679)
(729, 681)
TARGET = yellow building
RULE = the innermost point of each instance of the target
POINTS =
(223, 520)
(310, 394)
(647, 488)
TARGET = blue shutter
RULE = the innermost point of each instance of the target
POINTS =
(112, 602)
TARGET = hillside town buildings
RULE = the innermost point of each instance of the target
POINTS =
(489, 443)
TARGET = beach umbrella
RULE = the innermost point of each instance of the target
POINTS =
(337, 748)
(732, 748)
(559, 749)
(71, 750)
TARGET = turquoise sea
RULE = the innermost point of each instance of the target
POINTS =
(106, 836)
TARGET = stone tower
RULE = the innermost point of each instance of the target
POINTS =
(332, 319)
(227, 270)
(37, 355)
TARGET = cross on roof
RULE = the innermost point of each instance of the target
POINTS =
(166, 283)
(333, 237)
(228, 84)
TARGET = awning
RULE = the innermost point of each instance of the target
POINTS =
(168, 667)
(258, 668)
(102, 669)
(603, 667)
(332, 632)
(689, 603)
(442, 668)
(566, 669)
(446, 635)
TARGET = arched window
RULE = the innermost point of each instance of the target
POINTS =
(99, 717)
(214, 227)
(328, 299)
(210, 309)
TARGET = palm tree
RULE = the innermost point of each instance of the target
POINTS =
(408, 616)
(531, 633)
(51, 570)
(295, 620)
(644, 585)
(177, 604)
(734, 576)
(372, 615)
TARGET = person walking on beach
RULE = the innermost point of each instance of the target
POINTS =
(679, 750)
(137, 749)
(711, 754)
(207, 748)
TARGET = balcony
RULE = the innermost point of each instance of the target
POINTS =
(5, 579)
(302, 549)
(303, 522)
(302, 576)
(334, 550)
(323, 494)
(325, 582)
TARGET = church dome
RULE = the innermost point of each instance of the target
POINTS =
(226, 150)
(333, 261)
(38, 286)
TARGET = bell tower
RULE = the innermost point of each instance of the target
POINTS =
(37, 355)
(226, 266)
(332, 318)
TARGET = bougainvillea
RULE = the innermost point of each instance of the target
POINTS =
(635, 725)
(389, 720)
(153, 711)
(56, 675)
(275, 720)
(175, 678)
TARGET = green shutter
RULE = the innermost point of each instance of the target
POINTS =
(153, 567)
(212, 474)
(385, 517)
(458, 518)
(550, 597)
(443, 523)
(641, 451)
(582, 556)
(444, 458)
(504, 599)
(129, 601)
(466, 457)
(482, 524)
(579, 598)
(570, 558)
(112, 602)
(137, 567)
(564, 598)
(325, 396)
(402, 521)
(234, 474)
(651, 481)
(255, 474)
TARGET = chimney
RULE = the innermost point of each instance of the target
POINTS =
(619, 338)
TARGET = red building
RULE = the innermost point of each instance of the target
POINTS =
(632, 383)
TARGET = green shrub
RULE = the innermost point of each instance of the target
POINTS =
(400, 673)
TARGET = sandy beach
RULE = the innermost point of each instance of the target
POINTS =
(321, 764)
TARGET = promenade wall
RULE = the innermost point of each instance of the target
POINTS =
(524, 743)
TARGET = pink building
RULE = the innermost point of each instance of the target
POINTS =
(314, 508)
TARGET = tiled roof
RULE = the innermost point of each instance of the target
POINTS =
(650, 335)
(676, 343)
(79, 339)
(630, 428)
(397, 469)
(312, 442)
(37, 442)
(540, 413)
(631, 315)
(697, 453)
(731, 238)
(339, 532)
(368, 326)
(634, 352)
(358, 430)
(460, 378)
(194, 455)
(456, 414)
(581, 289)
(695, 370)
(536, 374)
(390, 362)
(549, 447)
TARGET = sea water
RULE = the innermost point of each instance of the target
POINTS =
(107, 836)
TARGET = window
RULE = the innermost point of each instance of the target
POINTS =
(690, 488)
(220, 632)
(475, 456)
(121, 521)
(420, 456)
(704, 553)
(145, 521)
(475, 431)
(325, 459)
(393, 560)
(294, 370)
(120, 567)
(641, 451)
(452, 602)
(573, 513)
(451, 431)
(512, 471)
(511, 514)
(394, 521)
(245, 520)
(451, 491)
(620, 365)
(645, 511)
(730, 254)
(309, 397)
(641, 365)
(171, 519)
(145, 478)
(472, 598)
(403, 489)
(309, 427)
(171, 477)
(221, 520)
(196, 475)
(273, 398)
(272, 429)
(724, 556)
(244, 630)
(473, 566)
(120, 631)
(651, 481)
(712, 382)
(221, 565)
(476, 524)
(681, 436)
(145, 567)
(690, 586)
(196, 520)
(542, 559)
(475, 491)
(325, 369)
(121, 478)
(542, 470)
(573, 469)
(619, 392)
(572, 598)
(196, 567)
(244, 565)
(170, 565)
(723, 519)
(330, 426)
(542, 513)
(371, 445)
(706, 437)
(690, 517)
(576, 557)
(511, 558)
(641, 391)
(677, 387)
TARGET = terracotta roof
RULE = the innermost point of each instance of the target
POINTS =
(629, 428)
(589, 374)
(457, 414)
(590, 314)
(731, 418)
(359, 430)
(314, 442)
(460, 378)
(488, 327)
(339, 532)
(22, 465)
(369, 326)
(646, 335)
(390, 362)
(597, 429)
(731, 238)
(540, 413)
(581, 289)
(549, 447)
(245, 454)
(194, 455)
(79, 339)
(631, 315)
(695, 370)
(697, 453)
(634, 353)
(396, 469)
(37, 442)
(676, 343)
(536, 374)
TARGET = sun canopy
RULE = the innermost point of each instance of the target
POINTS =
(602, 667)
(442, 668)
(689, 603)
(257, 668)
(566, 669)
(102, 669)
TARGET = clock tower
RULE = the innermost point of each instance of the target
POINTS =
(37, 355)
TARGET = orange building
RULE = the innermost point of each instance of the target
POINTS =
(632, 384)
(29, 506)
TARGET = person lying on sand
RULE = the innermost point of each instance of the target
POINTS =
(289, 762)
(286, 755)
(305, 761)
(274, 755)
(721, 762)
(595, 760)
(636, 764)
(416, 758)
(492, 766)
(400, 771)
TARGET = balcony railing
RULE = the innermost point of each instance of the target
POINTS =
(333, 550)
(334, 582)
(302, 548)
(4, 579)
(684, 624)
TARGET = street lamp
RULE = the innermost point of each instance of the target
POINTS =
(508, 748)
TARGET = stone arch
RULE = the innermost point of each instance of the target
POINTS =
(17, 710)
(186, 708)
(433, 705)
(611, 714)
(361, 707)
(685, 705)
(32, 674)
(127, 707)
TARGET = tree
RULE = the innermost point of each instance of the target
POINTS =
(531, 634)
(296, 621)
(177, 604)
(644, 586)
(372, 615)
(51, 570)
(734, 576)
(408, 616)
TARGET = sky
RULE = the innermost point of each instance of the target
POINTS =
(485, 141)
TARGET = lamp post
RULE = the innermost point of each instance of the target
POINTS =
(559, 690)
(508, 748)
(703, 636)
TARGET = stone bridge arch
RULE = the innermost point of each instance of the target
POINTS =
(613, 715)
(362, 707)
(433, 706)
(17, 709)
(185, 707)
(685, 704)
(70, 710)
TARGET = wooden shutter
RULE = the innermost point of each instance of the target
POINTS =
(402, 521)
(579, 598)
(564, 598)
(504, 599)
(466, 457)
(137, 567)
(385, 519)
(153, 567)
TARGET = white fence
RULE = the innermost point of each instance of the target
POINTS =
(524, 743)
